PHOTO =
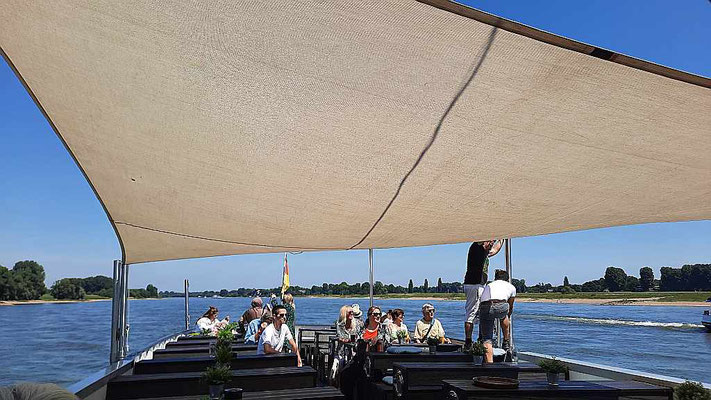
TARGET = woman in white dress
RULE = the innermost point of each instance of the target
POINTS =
(209, 321)
(397, 330)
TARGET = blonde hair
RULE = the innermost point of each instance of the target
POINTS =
(289, 298)
(36, 391)
(344, 313)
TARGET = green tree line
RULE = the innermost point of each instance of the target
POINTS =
(687, 278)
(25, 281)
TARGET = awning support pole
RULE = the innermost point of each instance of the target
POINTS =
(119, 312)
(509, 270)
(187, 310)
(370, 262)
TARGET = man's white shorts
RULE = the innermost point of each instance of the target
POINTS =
(473, 293)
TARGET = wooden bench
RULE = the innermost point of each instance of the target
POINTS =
(198, 351)
(199, 364)
(191, 383)
(377, 363)
(202, 342)
(639, 390)
(411, 375)
(605, 390)
(320, 393)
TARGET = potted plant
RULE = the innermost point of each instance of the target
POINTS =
(478, 351)
(216, 377)
(553, 367)
(691, 391)
(223, 353)
(433, 342)
(401, 335)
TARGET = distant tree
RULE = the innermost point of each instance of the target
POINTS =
(426, 286)
(519, 284)
(439, 285)
(670, 279)
(567, 290)
(6, 284)
(565, 281)
(65, 289)
(597, 285)
(615, 279)
(94, 284)
(632, 284)
(153, 291)
(29, 275)
(409, 286)
(646, 279)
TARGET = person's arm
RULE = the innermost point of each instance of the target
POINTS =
(418, 334)
(495, 248)
(268, 349)
(511, 303)
(292, 343)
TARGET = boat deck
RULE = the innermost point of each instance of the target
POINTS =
(174, 372)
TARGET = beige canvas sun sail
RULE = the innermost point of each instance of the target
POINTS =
(228, 127)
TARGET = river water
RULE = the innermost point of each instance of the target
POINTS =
(63, 343)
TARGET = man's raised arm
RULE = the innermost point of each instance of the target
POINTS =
(495, 248)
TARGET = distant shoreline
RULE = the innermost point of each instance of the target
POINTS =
(27, 302)
(614, 301)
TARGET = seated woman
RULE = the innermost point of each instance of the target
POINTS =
(209, 321)
(396, 332)
(348, 329)
(256, 327)
(373, 333)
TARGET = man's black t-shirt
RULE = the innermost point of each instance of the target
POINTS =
(477, 265)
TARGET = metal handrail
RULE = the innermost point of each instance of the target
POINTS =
(99, 379)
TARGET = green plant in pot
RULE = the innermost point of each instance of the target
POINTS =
(553, 368)
(223, 353)
(478, 351)
(225, 335)
(401, 335)
(691, 391)
(216, 377)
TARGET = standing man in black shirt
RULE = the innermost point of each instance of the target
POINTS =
(474, 281)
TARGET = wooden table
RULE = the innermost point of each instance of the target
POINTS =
(413, 376)
(377, 363)
(321, 393)
(458, 389)
(199, 364)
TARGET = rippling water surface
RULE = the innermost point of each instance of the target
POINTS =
(63, 343)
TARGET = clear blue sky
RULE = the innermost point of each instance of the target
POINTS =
(48, 212)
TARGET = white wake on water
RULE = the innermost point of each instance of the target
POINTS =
(607, 321)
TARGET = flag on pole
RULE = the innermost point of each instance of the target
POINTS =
(285, 277)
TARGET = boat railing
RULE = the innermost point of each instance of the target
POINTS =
(588, 371)
(94, 386)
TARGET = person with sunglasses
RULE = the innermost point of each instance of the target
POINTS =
(429, 326)
(272, 340)
(374, 333)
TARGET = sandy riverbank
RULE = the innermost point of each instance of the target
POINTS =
(24, 302)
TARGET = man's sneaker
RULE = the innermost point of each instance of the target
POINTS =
(506, 345)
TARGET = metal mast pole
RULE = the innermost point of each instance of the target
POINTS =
(119, 311)
(124, 320)
(115, 312)
(370, 262)
(187, 310)
(509, 270)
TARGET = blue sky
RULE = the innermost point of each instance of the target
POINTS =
(48, 212)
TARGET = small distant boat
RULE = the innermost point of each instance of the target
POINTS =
(706, 319)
